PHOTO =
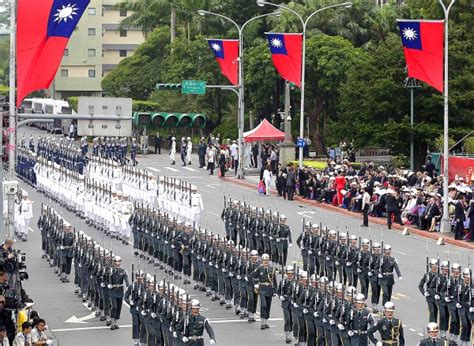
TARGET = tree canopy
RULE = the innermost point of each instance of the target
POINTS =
(355, 69)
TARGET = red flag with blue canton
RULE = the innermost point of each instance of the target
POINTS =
(286, 55)
(423, 45)
(227, 54)
(43, 31)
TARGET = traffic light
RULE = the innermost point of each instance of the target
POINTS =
(168, 86)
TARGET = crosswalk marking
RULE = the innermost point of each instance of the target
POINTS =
(189, 169)
(153, 169)
(172, 169)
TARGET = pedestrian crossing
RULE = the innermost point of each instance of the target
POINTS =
(189, 169)
(172, 169)
(153, 169)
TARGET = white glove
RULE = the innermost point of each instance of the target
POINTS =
(231, 275)
(224, 270)
(316, 314)
(109, 286)
(302, 248)
(459, 306)
(310, 252)
(471, 309)
(380, 276)
(370, 274)
(437, 297)
(337, 263)
(340, 327)
(447, 299)
(212, 341)
(172, 246)
(271, 238)
(102, 285)
(332, 322)
(185, 339)
(282, 298)
(153, 315)
(305, 311)
(143, 313)
(290, 245)
(427, 294)
(328, 258)
(295, 305)
(319, 253)
(210, 263)
(359, 271)
(325, 320)
(171, 329)
(379, 343)
(246, 279)
(248, 232)
(278, 240)
(400, 278)
(239, 277)
(175, 335)
(350, 333)
(348, 264)
(257, 286)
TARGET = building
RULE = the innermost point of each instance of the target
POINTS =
(96, 47)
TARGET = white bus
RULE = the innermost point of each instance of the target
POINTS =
(48, 106)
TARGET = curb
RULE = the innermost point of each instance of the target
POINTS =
(380, 221)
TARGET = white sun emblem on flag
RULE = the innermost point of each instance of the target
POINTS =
(216, 47)
(276, 42)
(410, 34)
(65, 13)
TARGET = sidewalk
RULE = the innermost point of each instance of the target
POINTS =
(252, 182)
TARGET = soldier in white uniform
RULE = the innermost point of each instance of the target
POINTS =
(189, 149)
(196, 205)
(173, 151)
(127, 210)
(24, 214)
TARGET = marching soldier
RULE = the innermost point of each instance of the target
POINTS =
(252, 293)
(433, 338)
(66, 247)
(362, 320)
(440, 288)
(195, 324)
(386, 280)
(131, 297)
(389, 327)
(465, 307)
(283, 240)
(117, 279)
(452, 296)
(285, 291)
(373, 273)
(265, 277)
(428, 290)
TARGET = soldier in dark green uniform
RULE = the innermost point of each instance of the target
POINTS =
(362, 320)
(433, 338)
(389, 327)
(265, 277)
(117, 279)
(194, 325)
(67, 249)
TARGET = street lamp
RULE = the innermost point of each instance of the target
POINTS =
(241, 104)
(304, 23)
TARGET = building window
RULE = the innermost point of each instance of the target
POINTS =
(64, 73)
(91, 52)
(91, 31)
(123, 53)
(123, 12)
(123, 33)
(66, 52)
(91, 11)
(91, 73)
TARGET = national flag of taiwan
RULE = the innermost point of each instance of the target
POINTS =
(286, 55)
(227, 53)
(43, 31)
(423, 47)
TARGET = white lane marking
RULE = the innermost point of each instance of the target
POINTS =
(189, 169)
(31, 229)
(172, 169)
(186, 176)
(153, 169)
(87, 328)
(412, 329)
(242, 320)
(212, 213)
(213, 186)
(399, 252)
(420, 334)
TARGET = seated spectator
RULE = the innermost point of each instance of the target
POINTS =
(24, 337)
(38, 336)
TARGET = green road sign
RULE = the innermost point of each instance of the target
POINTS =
(197, 87)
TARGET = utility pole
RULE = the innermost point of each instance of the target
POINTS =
(412, 84)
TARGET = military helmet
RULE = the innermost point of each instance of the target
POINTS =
(389, 306)
(195, 304)
(432, 327)
(359, 298)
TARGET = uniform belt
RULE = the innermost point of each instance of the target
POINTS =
(387, 273)
(390, 341)
(195, 337)
(360, 332)
(283, 238)
(265, 284)
(66, 247)
(117, 286)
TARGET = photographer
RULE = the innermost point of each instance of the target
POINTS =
(6, 253)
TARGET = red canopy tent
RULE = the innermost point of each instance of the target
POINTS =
(264, 132)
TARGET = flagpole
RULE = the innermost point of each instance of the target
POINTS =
(241, 104)
(11, 122)
(446, 224)
(304, 24)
